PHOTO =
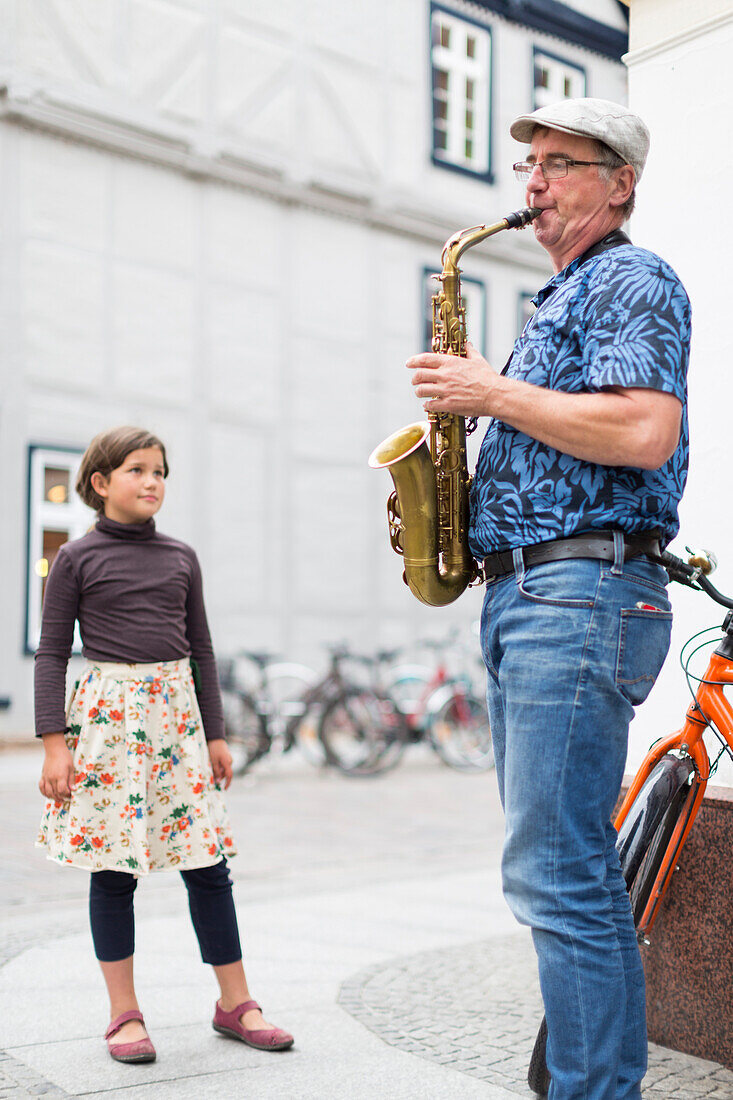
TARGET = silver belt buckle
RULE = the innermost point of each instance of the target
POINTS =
(486, 578)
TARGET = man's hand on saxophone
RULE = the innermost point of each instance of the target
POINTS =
(453, 384)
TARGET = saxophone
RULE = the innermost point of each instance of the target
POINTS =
(428, 510)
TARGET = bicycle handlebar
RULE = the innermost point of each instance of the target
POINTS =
(692, 576)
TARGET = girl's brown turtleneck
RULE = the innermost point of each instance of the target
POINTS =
(138, 596)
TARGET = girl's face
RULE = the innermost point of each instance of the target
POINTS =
(134, 491)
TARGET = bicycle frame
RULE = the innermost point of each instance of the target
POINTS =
(320, 692)
(709, 706)
(433, 694)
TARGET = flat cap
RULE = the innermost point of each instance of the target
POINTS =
(600, 119)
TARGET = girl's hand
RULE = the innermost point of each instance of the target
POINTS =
(57, 776)
(221, 761)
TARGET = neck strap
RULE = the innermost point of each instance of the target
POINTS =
(612, 240)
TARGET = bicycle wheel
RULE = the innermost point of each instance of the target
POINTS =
(641, 887)
(289, 685)
(538, 1077)
(408, 686)
(362, 732)
(244, 729)
(460, 733)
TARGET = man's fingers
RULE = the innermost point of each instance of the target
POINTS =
(427, 360)
(428, 383)
(423, 376)
(429, 389)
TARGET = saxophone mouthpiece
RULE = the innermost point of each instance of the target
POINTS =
(520, 218)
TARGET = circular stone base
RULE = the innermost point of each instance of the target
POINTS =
(477, 1008)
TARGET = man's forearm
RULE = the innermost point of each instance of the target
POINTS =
(609, 428)
(621, 427)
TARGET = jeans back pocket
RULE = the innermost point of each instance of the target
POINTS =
(642, 647)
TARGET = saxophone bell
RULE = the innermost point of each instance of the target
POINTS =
(413, 514)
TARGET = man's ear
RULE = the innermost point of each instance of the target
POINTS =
(99, 484)
(625, 180)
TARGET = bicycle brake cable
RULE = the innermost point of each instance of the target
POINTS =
(685, 661)
(685, 658)
(714, 765)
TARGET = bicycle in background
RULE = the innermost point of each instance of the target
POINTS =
(361, 729)
(661, 805)
(287, 706)
(415, 704)
(269, 713)
(442, 707)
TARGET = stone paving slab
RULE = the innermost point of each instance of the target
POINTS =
(477, 1008)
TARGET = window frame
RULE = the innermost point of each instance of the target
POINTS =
(539, 51)
(524, 298)
(487, 174)
(74, 519)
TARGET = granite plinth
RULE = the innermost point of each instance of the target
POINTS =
(689, 961)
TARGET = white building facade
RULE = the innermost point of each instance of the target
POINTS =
(218, 221)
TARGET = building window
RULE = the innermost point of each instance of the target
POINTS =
(555, 79)
(525, 311)
(473, 292)
(461, 80)
(55, 515)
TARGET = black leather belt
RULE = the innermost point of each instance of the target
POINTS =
(597, 545)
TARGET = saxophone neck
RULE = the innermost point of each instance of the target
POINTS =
(464, 239)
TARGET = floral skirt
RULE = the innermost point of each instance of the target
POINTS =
(144, 796)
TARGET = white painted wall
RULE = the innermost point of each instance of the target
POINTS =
(679, 83)
(213, 222)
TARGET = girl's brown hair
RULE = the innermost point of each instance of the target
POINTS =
(106, 452)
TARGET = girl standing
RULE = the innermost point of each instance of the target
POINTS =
(132, 777)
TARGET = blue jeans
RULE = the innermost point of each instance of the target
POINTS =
(569, 653)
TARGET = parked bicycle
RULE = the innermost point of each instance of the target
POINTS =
(661, 805)
(286, 708)
(361, 729)
(442, 707)
(412, 704)
(271, 712)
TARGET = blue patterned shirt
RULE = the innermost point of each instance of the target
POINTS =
(622, 318)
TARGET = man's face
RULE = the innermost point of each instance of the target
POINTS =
(574, 207)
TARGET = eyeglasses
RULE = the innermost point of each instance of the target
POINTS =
(552, 168)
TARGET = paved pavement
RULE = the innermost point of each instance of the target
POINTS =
(373, 928)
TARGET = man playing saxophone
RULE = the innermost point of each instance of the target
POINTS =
(576, 490)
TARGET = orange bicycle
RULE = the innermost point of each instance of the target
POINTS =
(665, 795)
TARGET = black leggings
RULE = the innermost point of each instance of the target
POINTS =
(210, 902)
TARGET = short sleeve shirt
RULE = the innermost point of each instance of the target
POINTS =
(621, 318)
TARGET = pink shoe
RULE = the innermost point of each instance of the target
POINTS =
(228, 1023)
(140, 1051)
